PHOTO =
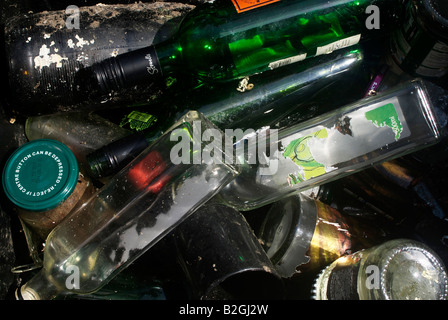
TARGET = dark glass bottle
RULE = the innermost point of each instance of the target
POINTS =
(406, 174)
(420, 45)
(219, 42)
(43, 54)
(222, 257)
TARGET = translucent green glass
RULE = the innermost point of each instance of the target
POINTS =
(217, 42)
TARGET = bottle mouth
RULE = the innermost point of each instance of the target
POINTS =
(27, 294)
(420, 276)
(287, 232)
(438, 9)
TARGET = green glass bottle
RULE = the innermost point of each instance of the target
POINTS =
(219, 41)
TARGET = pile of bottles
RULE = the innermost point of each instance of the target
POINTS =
(227, 149)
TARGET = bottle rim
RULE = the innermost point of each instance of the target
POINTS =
(438, 19)
(400, 246)
(40, 175)
(437, 8)
(289, 226)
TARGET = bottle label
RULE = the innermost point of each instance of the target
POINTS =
(320, 150)
(340, 44)
(332, 237)
(138, 120)
(246, 5)
(327, 49)
(284, 62)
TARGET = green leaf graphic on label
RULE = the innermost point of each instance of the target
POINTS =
(386, 116)
(299, 152)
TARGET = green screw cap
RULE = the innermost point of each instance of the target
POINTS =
(40, 175)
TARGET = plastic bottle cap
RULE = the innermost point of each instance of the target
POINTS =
(40, 175)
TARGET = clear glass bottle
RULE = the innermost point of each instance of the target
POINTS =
(218, 42)
(223, 258)
(128, 215)
(301, 234)
(399, 269)
(331, 146)
(273, 96)
(125, 287)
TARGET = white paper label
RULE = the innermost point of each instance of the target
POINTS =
(284, 62)
(343, 43)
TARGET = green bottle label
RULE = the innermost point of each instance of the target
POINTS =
(299, 152)
(320, 150)
(386, 116)
(138, 120)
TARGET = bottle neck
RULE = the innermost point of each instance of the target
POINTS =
(129, 69)
(112, 157)
(38, 288)
(169, 56)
